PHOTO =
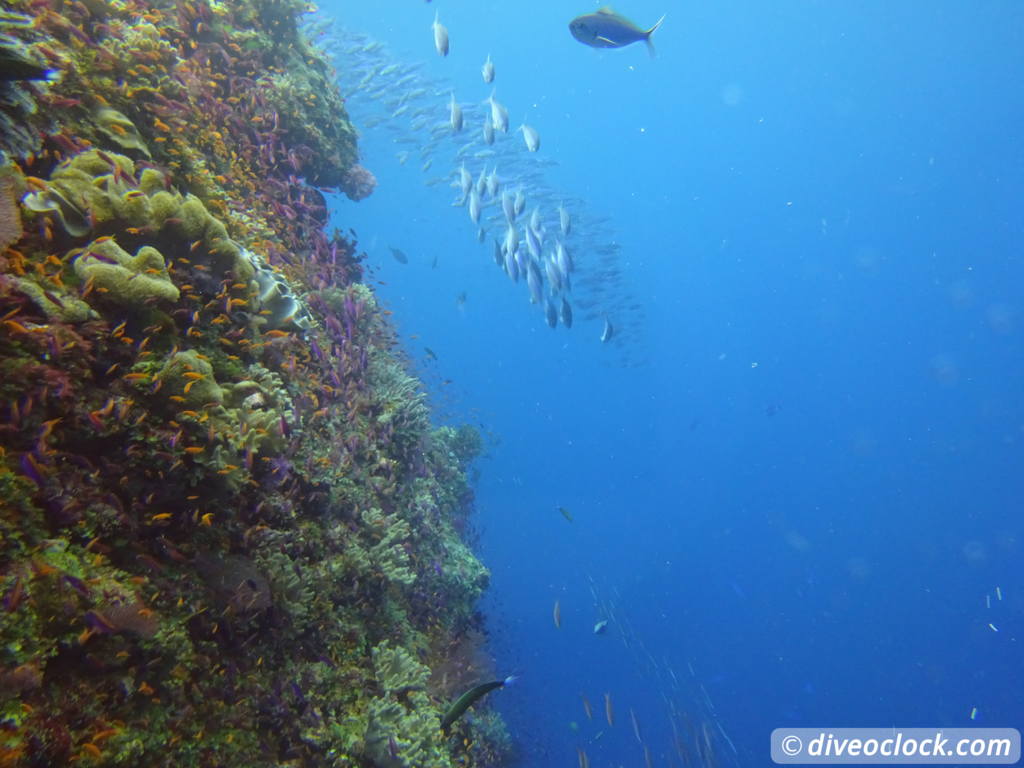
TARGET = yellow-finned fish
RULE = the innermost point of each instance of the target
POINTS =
(606, 29)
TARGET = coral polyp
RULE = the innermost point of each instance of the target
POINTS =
(227, 523)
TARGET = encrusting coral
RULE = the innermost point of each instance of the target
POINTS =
(229, 532)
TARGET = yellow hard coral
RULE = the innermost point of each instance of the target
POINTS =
(125, 279)
(186, 374)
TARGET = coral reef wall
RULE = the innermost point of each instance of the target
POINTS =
(229, 534)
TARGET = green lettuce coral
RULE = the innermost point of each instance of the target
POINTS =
(404, 729)
(388, 556)
(131, 281)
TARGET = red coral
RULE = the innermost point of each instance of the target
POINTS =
(358, 183)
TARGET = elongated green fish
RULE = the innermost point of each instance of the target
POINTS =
(606, 29)
(466, 700)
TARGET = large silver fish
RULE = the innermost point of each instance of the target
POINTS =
(440, 35)
(606, 29)
(608, 332)
(488, 70)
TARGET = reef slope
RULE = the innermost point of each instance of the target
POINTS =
(229, 533)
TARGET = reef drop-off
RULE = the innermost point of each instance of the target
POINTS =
(229, 533)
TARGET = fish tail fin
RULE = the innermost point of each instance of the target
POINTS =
(651, 31)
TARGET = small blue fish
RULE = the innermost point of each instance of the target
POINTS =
(606, 29)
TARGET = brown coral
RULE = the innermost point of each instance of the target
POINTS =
(10, 216)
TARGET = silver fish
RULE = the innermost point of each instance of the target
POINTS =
(531, 137)
(474, 206)
(535, 283)
(606, 29)
(499, 115)
(565, 265)
(493, 183)
(440, 35)
(488, 131)
(554, 276)
(523, 258)
(566, 314)
(465, 183)
(508, 205)
(535, 222)
(520, 202)
(511, 240)
(499, 256)
(608, 332)
(488, 70)
(455, 117)
(564, 221)
(532, 242)
(550, 313)
(511, 267)
(481, 181)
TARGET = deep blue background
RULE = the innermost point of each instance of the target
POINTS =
(811, 485)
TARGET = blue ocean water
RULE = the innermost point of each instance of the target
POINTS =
(797, 483)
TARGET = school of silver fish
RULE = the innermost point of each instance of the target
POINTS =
(567, 257)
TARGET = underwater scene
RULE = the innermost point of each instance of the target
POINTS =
(406, 384)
